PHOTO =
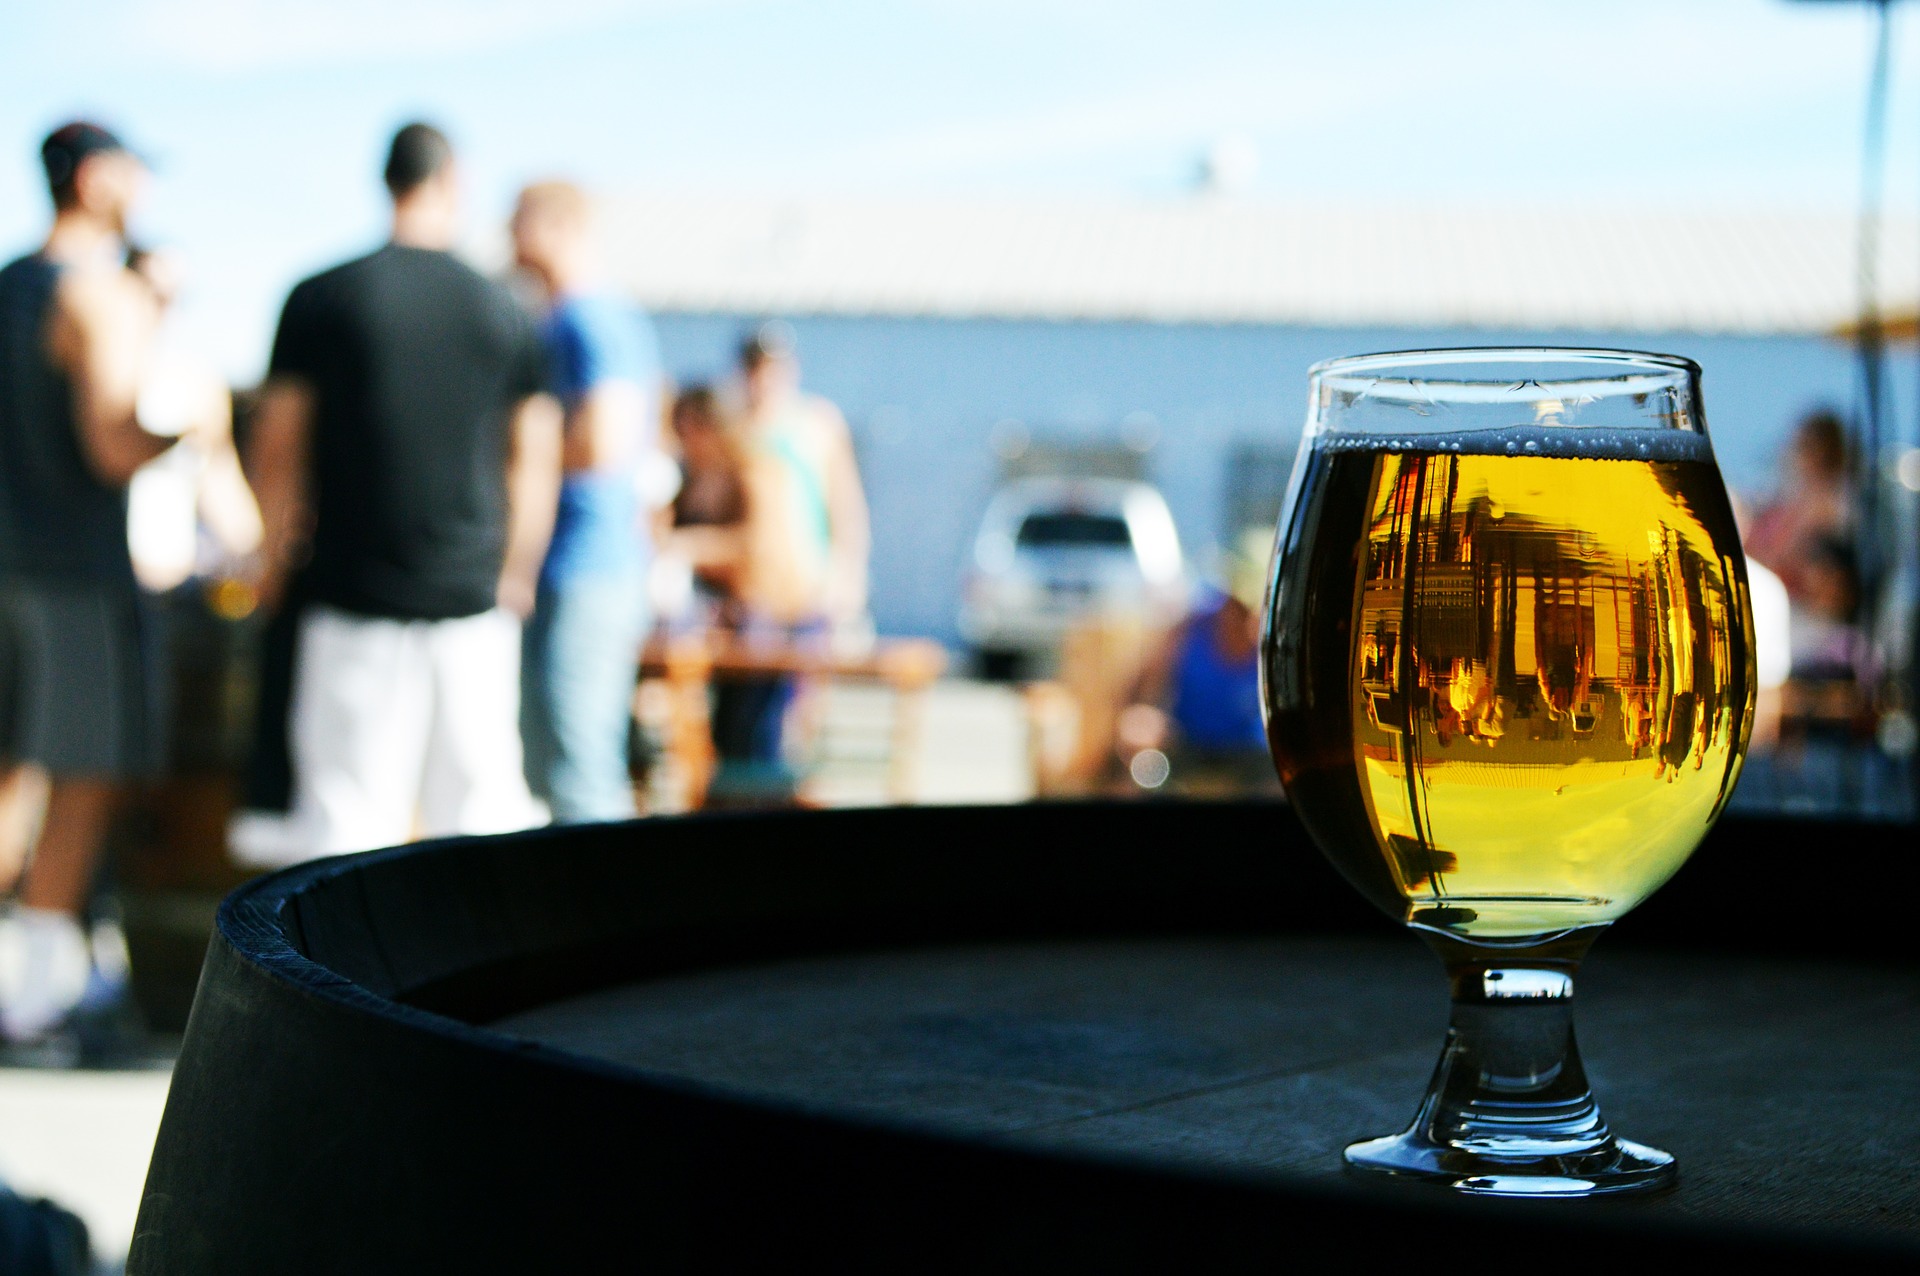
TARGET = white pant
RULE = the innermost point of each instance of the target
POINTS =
(393, 720)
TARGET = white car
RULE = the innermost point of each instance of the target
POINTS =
(1053, 551)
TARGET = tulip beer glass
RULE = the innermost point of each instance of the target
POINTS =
(1508, 674)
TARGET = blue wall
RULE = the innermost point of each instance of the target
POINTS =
(923, 396)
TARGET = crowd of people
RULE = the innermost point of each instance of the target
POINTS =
(450, 499)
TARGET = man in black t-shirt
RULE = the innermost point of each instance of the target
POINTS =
(406, 458)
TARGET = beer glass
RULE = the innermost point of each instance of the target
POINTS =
(1508, 674)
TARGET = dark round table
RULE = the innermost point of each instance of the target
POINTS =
(1069, 1036)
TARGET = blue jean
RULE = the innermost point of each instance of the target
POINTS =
(580, 659)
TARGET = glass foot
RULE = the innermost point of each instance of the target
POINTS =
(1614, 1166)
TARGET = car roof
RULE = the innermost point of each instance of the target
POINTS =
(1059, 491)
(1150, 525)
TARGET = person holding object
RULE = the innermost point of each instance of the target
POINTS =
(406, 457)
(78, 687)
(582, 654)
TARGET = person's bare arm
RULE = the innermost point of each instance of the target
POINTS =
(848, 526)
(1155, 675)
(101, 334)
(606, 427)
(1143, 721)
(276, 467)
(224, 501)
(227, 505)
(533, 495)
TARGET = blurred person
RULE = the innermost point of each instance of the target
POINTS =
(1194, 724)
(1814, 503)
(715, 535)
(712, 525)
(78, 687)
(197, 486)
(707, 518)
(406, 456)
(812, 568)
(23, 800)
(801, 568)
(1772, 640)
(1826, 643)
(582, 652)
(712, 487)
(1772, 650)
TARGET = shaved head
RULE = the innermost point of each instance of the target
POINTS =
(558, 202)
(552, 233)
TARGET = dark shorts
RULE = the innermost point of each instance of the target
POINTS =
(80, 691)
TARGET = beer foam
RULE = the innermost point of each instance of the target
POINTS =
(1573, 442)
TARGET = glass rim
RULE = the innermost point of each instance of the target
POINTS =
(1624, 365)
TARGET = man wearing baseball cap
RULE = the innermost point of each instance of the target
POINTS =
(77, 682)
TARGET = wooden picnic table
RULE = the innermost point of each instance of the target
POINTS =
(689, 664)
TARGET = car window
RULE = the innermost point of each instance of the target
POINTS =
(1068, 528)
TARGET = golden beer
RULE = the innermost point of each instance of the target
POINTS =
(1508, 672)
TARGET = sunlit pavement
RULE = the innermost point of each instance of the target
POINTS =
(82, 1139)
(973, 746)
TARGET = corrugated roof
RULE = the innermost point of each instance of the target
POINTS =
(1245, 262)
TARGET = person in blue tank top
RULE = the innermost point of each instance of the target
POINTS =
(1195, 725)
(582, 649)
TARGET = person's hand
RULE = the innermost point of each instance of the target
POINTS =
(844, 600)
(1140, 726)
(266, 577)
(210, 431)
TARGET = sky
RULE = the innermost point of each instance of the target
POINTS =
(267, 119)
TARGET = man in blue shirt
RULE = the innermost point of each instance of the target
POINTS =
(582, 645)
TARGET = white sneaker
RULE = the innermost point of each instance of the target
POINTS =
(267, 840)
(108, 980)
(44, 962)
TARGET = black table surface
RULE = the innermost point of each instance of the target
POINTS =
(1785, 1088)
(1132, 1037)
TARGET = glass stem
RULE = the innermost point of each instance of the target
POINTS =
(1510, 1082)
